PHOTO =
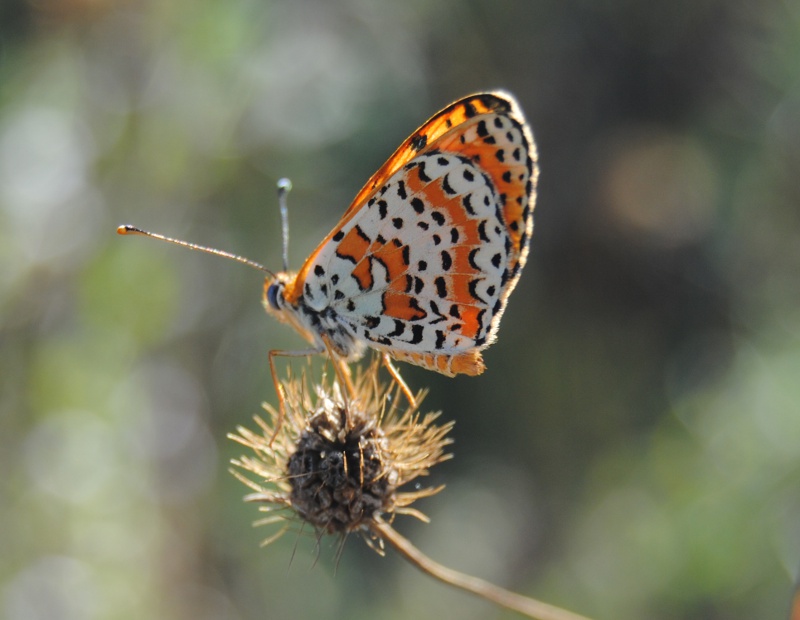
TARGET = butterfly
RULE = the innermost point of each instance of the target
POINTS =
(422, 263)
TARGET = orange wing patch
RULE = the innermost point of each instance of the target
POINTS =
(403, 307)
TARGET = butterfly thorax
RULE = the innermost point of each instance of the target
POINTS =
(317, 324)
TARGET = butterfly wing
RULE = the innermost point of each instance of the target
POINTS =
(423, 261)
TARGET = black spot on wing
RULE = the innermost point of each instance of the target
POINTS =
(399, 328)
(441, 287)
(482, 231)
(439, 316)
(372, 321)
(526, 212)
(419, 141)
(466, 201)
(497, 306)
(447, 260)
(479, 318)
(421, 173)
(414, 305)
(473, 290)
(471, 258)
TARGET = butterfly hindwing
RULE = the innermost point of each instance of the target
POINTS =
(422, 263)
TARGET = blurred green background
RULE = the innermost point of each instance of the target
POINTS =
(633, 450)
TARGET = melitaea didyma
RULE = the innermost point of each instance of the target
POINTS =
(421, 265)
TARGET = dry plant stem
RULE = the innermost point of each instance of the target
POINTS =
(526, 606)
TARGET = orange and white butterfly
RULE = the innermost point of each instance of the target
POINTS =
(421, 264)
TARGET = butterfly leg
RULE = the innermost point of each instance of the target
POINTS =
(279, 387)
(387, 361)
(342, 370)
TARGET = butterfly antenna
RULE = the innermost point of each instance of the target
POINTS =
(132, 230)
(284, 187)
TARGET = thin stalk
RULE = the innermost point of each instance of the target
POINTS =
(529, 607)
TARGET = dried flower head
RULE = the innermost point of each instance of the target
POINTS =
(339, 459)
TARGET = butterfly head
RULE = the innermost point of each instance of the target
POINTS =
(277, 301)
(275, 295)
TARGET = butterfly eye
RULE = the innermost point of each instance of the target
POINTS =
(272, 296)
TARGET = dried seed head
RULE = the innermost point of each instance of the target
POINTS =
(339, 463)
(340, 472)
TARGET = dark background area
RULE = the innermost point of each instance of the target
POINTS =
(632, 451)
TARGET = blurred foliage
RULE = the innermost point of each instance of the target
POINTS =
(633, 450)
